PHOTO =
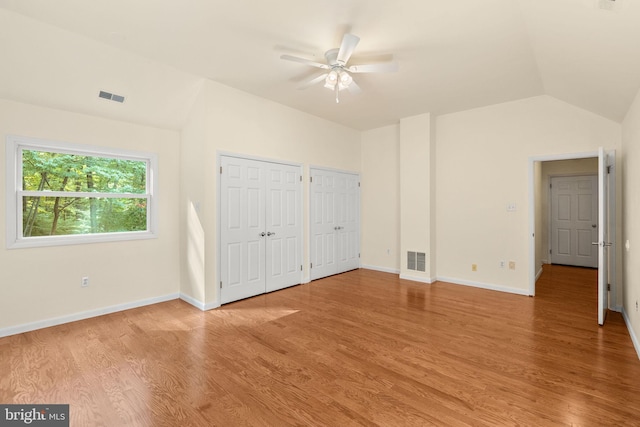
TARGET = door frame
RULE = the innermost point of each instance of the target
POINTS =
(218, 187)
(309, 213)
(532, 217)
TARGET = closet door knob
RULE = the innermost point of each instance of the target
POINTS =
(262, 234)
(270, 233)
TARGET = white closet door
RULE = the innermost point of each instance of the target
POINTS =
(283, 226)
(335, 222)
(242, 245)
(323, 224)
(348, 219)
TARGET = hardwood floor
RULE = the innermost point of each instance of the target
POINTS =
(361, 348)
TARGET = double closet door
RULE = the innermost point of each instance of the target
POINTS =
(334, 222)
(260, 227)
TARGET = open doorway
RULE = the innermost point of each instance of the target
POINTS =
(568, 211)
(541, 169)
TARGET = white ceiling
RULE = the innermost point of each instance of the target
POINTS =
(453, 55)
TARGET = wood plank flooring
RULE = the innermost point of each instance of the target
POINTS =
(360, 348)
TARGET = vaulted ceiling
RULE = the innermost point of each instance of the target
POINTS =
(453, 55)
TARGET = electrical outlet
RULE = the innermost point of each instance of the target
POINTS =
(512, 265)
(84, 282)
(502, 264)
(474, 267)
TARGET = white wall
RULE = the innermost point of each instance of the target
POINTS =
(380, 199)
(631, 219)
(241, 123)
(192, 202)
(417, 188)
(482, 165)
(44, 283)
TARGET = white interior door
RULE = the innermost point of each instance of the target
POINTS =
(606, 182)
(574, 220)
(334, 222)
(283, 226)
(242, 240)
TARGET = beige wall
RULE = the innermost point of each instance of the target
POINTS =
(481, 165)
(483, 159)
(44, 283)
(380, 199)
(237, 122)
(631, 219)
(193, 202)
(417, 189)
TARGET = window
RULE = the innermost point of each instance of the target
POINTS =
(59, 194)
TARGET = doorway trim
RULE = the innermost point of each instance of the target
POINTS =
(532, 205)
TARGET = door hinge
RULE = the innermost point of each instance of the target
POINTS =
(310, 179)
(608, 169)
(550, 251)
(608, 286)
(550, 185)
(300, 267)
(220, 284)
(220, 170)
(311, 265)
(358, 184)
(358, 255)
(300, 178)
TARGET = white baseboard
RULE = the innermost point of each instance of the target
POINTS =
(427, 280)
(632, 333)
(194, 302)
(481, 285)
(199, 304)
(538, 274)
(383, 269)
(41, 324)
(211, 305)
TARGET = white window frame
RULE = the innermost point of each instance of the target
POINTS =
(15, 193)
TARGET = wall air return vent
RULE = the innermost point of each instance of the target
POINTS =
(416, 261)
(111, 96)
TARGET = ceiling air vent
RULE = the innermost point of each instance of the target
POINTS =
(416, 261)
(111, 96)
(609, 4)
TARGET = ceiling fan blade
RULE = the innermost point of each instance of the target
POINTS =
(313, 81)
(383, 67)
(354, 88)
(349, 43)
(304, 61)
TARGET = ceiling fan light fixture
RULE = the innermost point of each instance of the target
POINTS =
(331, 80)
(345, 78)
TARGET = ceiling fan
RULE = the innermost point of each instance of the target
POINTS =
(337, 75)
